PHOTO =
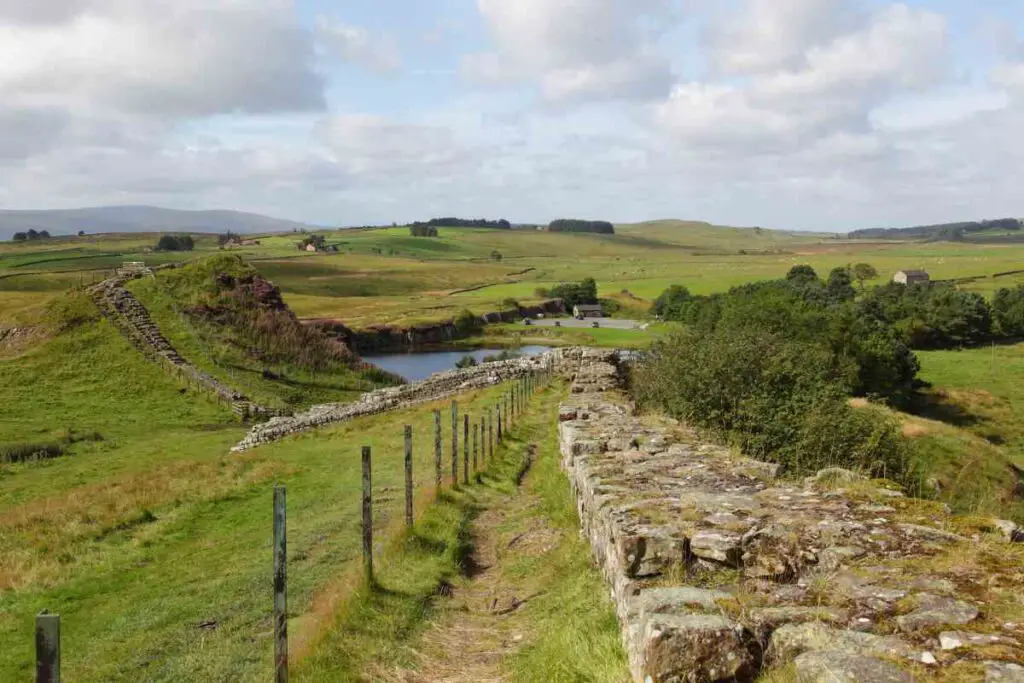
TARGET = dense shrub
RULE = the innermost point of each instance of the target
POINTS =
(1008, 311)
(932, 316)
(468, 323)
(466, 362)
(774, 397)
(175, 243)
(422, 230)
(496, 255)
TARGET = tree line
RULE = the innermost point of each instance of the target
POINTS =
(576, 225)
(451, 222)
(31, 235)
(945, 232)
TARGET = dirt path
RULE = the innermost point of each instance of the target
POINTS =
(478, 623)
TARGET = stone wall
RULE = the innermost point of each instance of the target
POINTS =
(719, 570)
(129, 316)
(436, 386)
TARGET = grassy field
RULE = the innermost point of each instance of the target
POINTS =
(969, 428)
(387, 276)
(139, 539)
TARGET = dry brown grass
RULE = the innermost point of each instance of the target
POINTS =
(30, 532)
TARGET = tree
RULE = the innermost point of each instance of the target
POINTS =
(840, 285)
(1008, 311)
(81, 233)
(801, 274)
(573, 294)
(20, 237)
(575, 225)
(862, 272)
(422, 230)
(496, 255)
(175, 243)
(671, 303)
(466, 362)
(227, 238)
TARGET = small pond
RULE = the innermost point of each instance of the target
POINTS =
(415, 366)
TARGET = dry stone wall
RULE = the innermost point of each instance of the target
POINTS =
(133, 320)
(434, 387)
(719, 570)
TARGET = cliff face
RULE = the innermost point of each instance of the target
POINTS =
(384, 338)
(718, 569)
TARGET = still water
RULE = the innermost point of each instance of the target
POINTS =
(417, 366)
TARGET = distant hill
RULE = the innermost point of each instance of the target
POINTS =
(139, 219)
(953, 232)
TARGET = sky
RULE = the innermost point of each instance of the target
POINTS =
(796, 114)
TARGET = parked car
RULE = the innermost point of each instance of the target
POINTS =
(558, 323)
(595, 324)
(527, 321)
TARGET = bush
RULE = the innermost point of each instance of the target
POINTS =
(22, 452)
(422, 230)
(508, 304)
(175, 243)
(496, 255)
(776, 398)
(542, 293)
(1008, 311)
(504, 355)
(466, 362)
(468, 323)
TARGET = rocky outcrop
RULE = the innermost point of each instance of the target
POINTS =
(383, 338)
(435, 387)
(718, 568)
(129, 316)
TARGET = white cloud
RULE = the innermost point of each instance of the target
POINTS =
(356, 44)
(577, 49)
(831, 88)
(767, 35)
(197, 60)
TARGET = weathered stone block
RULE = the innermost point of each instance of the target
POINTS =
(691, 649)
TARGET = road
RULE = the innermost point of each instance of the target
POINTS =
(607, 323)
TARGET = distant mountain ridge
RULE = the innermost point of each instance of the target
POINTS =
(140, 219)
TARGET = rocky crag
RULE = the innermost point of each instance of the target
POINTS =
(383, 338)
(132, 319)
(720, 571)
(436, 386)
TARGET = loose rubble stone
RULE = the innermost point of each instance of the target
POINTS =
(793, 639)
(933, 610)
(1009, 530)
(719, 546)
(1003, 672)
(830, 666)
(952, 640)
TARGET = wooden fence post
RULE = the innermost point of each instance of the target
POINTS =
(490, 434)
(367, 515)
(455, 444)
(476, 430)
(408, 475)
(47, 647)
(280, 585)
(465, 449)
(438, 474)
(497, 409)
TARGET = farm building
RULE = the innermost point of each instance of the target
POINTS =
(581, 311)
(911, 277)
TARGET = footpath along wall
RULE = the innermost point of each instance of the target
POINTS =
(719, 571)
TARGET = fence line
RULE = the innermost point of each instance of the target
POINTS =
(503, 411)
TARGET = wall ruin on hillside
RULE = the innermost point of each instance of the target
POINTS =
(719, 570)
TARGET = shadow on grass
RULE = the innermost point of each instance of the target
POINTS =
(934, 405)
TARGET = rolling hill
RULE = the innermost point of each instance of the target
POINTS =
(139, 219)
